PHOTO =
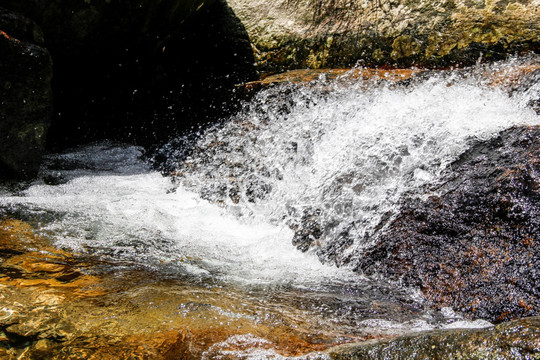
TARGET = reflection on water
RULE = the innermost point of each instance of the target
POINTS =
(96, 306)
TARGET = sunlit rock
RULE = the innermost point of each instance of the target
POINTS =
(518, 339)
(317, 34)
(306, 76)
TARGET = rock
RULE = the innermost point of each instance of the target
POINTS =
(474, 246)
(518, 339)
(316, 34)
(25, 96)
(138, 71)
(531, 84)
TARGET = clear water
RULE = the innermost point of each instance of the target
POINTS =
(348, 151)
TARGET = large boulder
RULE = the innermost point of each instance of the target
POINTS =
(475, 245)
(25, 95)
(301, 33)
(137, 70)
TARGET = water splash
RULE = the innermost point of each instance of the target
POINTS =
(340, 157)
(300, 164)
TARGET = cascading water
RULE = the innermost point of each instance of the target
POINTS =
(299, 165)
(330, 158)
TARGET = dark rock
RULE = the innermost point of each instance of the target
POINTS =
(25, 96)
(138, 71)
(475, 245)
(308, 231)
(518, 339)
(20, 27)
(528, 84)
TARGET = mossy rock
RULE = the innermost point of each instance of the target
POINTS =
(519, 339)
(316, 34)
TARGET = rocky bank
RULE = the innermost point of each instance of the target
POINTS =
(292, 34)
(519, 339)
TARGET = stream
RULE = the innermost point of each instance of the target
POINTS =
(235, 237)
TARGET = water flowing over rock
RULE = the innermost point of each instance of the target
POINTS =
(290, 34)
(57, 305)
(25, 95)
(104, 256)
(518, 339)
(338, 164)
(472, 244)
(529, 84)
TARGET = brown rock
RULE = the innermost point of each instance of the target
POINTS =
(473, 247)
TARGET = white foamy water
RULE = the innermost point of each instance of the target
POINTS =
(344, 153)
(131, 213)
(345, 157)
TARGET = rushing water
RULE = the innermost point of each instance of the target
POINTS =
(341, 154)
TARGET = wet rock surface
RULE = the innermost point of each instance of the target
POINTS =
(532, 80)
(472, 244)
(519, 339)
(306, 76)
(25, 95)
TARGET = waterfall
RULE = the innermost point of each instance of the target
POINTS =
(340, 157)
(299, 166)
(248, 226)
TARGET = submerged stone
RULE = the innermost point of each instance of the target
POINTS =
(519, 339)
(55, 304)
